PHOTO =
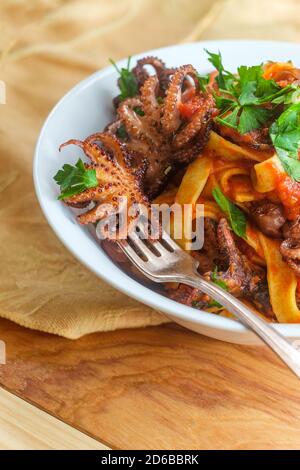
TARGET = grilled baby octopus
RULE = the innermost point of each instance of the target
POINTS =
(159, 132)
(116, 179)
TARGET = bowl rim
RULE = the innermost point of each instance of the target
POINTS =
(131, 287)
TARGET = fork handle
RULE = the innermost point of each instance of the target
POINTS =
(288, 353)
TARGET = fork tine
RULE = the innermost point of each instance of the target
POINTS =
(129, 251)
(166, 237)
(138, 242)
(143, 224)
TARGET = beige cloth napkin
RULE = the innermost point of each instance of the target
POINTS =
(46, 47)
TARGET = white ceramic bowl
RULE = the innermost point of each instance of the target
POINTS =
(87, 108)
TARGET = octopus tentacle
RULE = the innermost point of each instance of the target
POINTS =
(129, 117)
(148, 97)
(290, 251)
(186, 155)
(98, 212)
(198, 121)
(92, 151)
(113, 145)
(137, 126)
(141, 73)
(191, 151)
(171, 116)
(164, 77)
(113, 126)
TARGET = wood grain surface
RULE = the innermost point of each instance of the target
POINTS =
(157, 388)
(25, 427)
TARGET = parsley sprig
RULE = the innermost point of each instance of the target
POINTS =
(235, 216)
(242, 98)
(244, 108)
(225, 79)
(285, 135)
(127, 82)
(75, 179)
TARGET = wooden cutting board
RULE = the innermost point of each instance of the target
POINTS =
(156, 388)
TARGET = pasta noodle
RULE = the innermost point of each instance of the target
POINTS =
(264, 174)
(189, 191)
(220, 147)
(282, 283)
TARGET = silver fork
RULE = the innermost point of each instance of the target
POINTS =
(164, 261)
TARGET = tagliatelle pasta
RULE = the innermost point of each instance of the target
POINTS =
(282, 283)
(264, 174)
(187, 195)
(218, 146)
(194, 180)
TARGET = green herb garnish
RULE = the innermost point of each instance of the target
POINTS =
(121, 132)
(236, 217)
(138, 111)
(75, 179)
(203, 81)
(127, 81)
(219, 282)
(224, 79)
(242, 99)
(285, 135)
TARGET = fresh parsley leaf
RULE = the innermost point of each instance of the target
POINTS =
(224, 79)
(224, 103)
(254, 88)
(291, 166)
(285, 132)
(127, 81)
(245, 96)
(285, 135)
(236, 217)
(75, 179)
(231, 119)
(252, 117)
(289, 97)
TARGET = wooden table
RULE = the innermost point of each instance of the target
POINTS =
(153, 388)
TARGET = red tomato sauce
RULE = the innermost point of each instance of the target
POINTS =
(188, 109)
(288, 192)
